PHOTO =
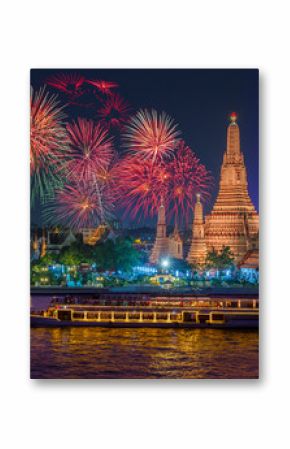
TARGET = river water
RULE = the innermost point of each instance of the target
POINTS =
(92, 353)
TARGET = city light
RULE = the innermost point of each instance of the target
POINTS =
(165, 263)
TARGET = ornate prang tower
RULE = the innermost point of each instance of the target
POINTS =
(160, 247)
(198, 250)
(233, 221)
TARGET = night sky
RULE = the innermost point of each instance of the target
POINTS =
(200, 101)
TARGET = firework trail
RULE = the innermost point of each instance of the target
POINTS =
(48, 140)
(186, 177)
(90, 150)
(151, 136)
(115, 111)
(103, 86)
(79, 206)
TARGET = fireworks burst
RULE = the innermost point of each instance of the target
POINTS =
(71, 84)
(79, 206)
(48, 140)
(115, 111)
(141, 187)
(103, 86)
(186, 177)
(91, 150)
(151, 136)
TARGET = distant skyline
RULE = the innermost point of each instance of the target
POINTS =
(199, 100)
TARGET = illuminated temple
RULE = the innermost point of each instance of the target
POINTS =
(233, 222)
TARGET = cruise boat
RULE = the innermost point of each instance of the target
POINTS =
(150, 311)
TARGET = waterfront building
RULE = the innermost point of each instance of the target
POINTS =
(249, 266)
(198, 250)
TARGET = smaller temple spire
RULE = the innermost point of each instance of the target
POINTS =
(197, 252)
(161, 214)
(160, 246)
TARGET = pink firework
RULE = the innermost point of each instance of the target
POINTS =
(151, 136)
(103, 86)
(91, 150)
(115, 111)
(78, 206)
(141, 187)
(186, 177)
(71, 84)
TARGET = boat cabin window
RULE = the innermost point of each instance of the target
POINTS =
(64, 315)
(79, 315)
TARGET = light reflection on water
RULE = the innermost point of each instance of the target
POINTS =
(143, 353)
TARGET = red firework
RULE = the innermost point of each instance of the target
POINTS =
(79, 206)
(103, 86)
(141, 187)
(114, 112)
(48, 139)
(186, 177)
(71, 84)
(151, 136)
(91, 150)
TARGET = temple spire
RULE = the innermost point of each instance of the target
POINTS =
(233, 136)
(198, 210)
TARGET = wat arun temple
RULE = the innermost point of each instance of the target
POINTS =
(233, 221)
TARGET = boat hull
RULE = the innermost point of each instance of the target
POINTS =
(40, 321)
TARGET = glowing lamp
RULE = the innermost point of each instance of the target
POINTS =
(165, 263)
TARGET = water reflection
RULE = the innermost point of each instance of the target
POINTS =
(143, 353)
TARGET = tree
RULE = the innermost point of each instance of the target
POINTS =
(220, 260)
(71, 255)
